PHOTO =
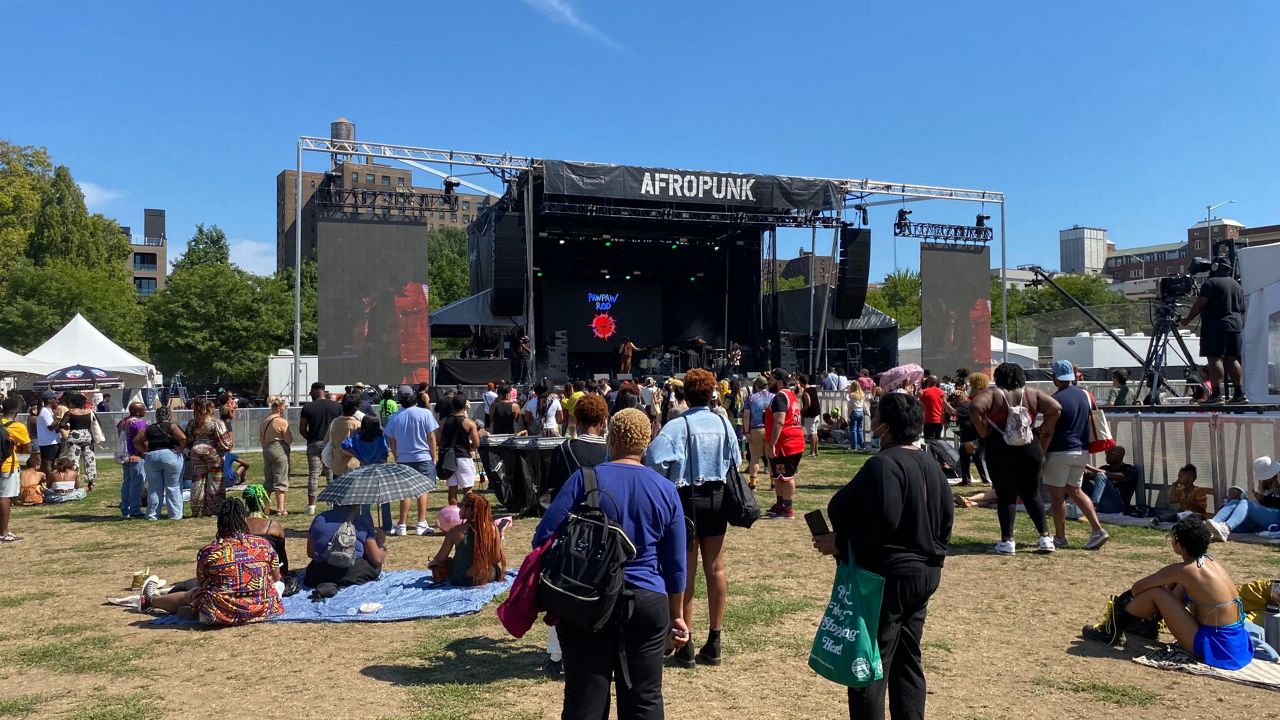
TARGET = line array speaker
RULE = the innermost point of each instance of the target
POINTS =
(855, 266)
(509, 268)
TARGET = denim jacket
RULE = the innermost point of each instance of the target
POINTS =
(711, 449)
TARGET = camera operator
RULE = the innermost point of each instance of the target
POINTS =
(1221, 302)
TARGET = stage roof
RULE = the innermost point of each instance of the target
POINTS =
(793, 313)
(456, 319)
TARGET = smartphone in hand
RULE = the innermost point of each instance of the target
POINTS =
(817, 523)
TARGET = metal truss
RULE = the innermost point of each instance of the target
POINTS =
(503, 165)
(857, 191)
(364, 201)
(683, 215)
(938, 231)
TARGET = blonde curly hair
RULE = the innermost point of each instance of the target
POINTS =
(979, 381)
(629, 433)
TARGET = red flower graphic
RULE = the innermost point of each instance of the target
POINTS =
(604, 326)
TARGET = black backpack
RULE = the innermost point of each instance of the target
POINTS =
(6, 442)
(582, 571)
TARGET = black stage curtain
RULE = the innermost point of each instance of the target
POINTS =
(473, 372)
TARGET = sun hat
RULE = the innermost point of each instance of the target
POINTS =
(1063, 371)
(1264, 468)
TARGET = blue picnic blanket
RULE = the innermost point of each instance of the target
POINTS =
(404, 595)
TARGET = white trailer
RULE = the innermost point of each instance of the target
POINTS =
(280, 376)
(1098, 350)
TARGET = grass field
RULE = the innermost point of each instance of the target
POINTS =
(1000, 641)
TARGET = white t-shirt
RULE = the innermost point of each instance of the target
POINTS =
(45, 436)
(553, 409)
(490, 397)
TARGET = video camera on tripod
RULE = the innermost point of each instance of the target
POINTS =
(1174, 287)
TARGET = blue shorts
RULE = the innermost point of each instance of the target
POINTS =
(1227, 648)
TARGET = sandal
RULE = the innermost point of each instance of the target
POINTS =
(280, 513)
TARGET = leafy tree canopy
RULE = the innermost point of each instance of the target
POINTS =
(207, 246)
(448, 266)
(40, 299)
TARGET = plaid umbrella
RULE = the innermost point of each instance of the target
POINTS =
(77, 377)
(375, 484)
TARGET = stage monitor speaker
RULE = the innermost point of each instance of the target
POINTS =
(855, 266)
(509, 268)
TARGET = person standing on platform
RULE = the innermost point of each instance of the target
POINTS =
(524, 351)
(313, 424)
(626, 350)
(1221, 302)
(784, 444)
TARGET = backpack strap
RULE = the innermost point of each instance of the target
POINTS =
(591, 491)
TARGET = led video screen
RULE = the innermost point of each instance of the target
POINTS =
(955, 303)
(373, 308)
(597, 315)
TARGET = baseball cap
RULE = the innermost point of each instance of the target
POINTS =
(780, 374)
(49, 395)
(1264, 468)
(358, 385)
(1063, 371)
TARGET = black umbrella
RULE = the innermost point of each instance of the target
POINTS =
(78, 377)
(377, 484)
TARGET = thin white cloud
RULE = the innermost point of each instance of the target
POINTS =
(255, 256)
(562, 12)
(96, 196)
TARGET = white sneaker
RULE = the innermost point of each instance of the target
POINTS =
(400, 531)
(1045, 545)
(311, 509)
(425, 529)
(1219, 530)
(1005, 547)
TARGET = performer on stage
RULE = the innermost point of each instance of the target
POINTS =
(625, 350)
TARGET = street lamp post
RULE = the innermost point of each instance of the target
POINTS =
(1208, 222)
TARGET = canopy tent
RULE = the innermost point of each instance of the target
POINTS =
(11, 363)
(1024, 355)
(80, 343)
(456, 319)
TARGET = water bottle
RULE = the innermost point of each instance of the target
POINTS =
(1271, 620)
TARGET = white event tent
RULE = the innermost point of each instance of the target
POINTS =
(11, 363)
(80, 343)
(1024, 355)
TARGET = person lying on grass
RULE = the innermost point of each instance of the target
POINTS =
(476, 546)
(237, 577)
(1196, 598)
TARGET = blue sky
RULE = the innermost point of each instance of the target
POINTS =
(1131, 116)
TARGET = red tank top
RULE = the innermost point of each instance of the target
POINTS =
(791, 438)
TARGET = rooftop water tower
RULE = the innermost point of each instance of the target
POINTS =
(342, 129)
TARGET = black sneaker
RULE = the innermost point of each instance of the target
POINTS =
(553, 669)
(1239, 399)
(684, 656)
(709, 654)
(1149, 629)
(1214, 399)
(1106, 631)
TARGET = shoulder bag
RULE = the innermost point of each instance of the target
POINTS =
(845, 648)
(1100, 438)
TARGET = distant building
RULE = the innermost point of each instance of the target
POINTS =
(1148, 261)
(1082, 250)
(799, 267)
(1015, 278)
(351, 173)
(149, 261)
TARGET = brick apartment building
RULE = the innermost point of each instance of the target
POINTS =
(149, 260)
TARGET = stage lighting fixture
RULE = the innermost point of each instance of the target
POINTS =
(691, 279)
(673, 246)
(606, 277)
(562, 242)
(539, 273)
(628, 277)
(608, 243)
(451, 184)
(902, 215)
(981, 220)
(862, 214)
(717, 248)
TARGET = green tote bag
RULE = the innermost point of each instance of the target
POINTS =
(845, 649)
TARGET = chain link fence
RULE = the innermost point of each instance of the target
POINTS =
(1041, 329)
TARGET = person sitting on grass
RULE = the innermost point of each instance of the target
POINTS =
(476, 546)
(31, 482)
(237, 577)
(63, 484)
(1185, 497)
(1196, 598)
(257, 501)
(370, 548)
(233, 470)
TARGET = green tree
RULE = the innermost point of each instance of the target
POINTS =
(208, 246)
(1088, 289)
(281, 287)
(62, 230)
(448, 266)
(216, 323)
(40, 299)
(791, 283)
(25, 174)
(899, 298)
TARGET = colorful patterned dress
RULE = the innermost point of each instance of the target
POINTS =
(206, 465)
(236, 585)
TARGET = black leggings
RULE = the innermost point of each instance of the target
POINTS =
(1015, 473)
(592, 662)
(967, 461)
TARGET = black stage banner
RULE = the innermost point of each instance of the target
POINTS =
(472, 372)
(759, 192)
